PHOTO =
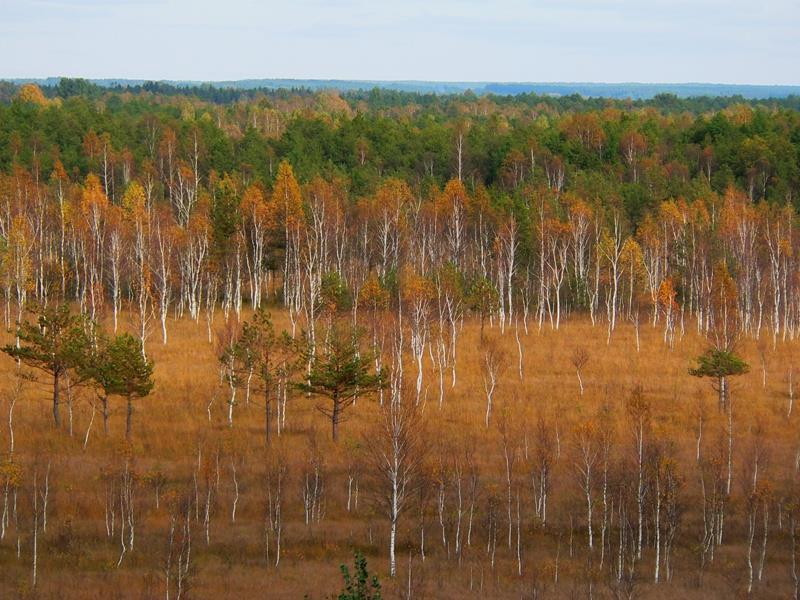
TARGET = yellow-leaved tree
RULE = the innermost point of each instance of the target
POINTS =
(32, 94)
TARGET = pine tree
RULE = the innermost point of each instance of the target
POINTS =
(341, 372)
(120, 368)
(56, 342)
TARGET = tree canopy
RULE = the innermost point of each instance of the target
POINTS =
(120, 368)
(341, 372)
(55, 341)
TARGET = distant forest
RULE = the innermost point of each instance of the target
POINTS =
(505, 143)
(620, 91)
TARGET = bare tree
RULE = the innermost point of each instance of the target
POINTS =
(587, 451)
(177, 563)
(638, 410)
(579, 358)
(126, 497)
(313, 483)
(396, 450)
(510, 449)
(493, 364)
(790, 386)
(761, 347)
(543, 461)
(14, 395)
(36, 506)
(277, 474)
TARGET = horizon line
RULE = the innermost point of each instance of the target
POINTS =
(382, 81)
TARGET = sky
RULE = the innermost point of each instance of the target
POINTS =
(655, 41)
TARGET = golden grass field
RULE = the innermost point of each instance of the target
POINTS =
(78, 560)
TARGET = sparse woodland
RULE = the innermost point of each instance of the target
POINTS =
(502, 347)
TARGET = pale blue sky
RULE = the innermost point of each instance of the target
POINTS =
(726, 41)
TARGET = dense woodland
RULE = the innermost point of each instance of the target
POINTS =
(483, 314)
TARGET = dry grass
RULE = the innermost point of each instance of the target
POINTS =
(77, 560)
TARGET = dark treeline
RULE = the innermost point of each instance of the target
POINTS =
(367, 136)
(564, 96)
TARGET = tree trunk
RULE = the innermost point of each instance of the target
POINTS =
(129, 419)
(56, 414)
(392, 541)
(104, 399)
(335, 419)
(266, 415)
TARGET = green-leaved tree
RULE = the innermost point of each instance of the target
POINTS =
(360, 585)
(720, 364)
(264, 359)
(341, 372)
(483, 299)
(121, 369)
(55, 342)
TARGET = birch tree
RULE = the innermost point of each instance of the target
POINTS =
(396, 451)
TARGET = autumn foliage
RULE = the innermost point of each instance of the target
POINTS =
(462, 347)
